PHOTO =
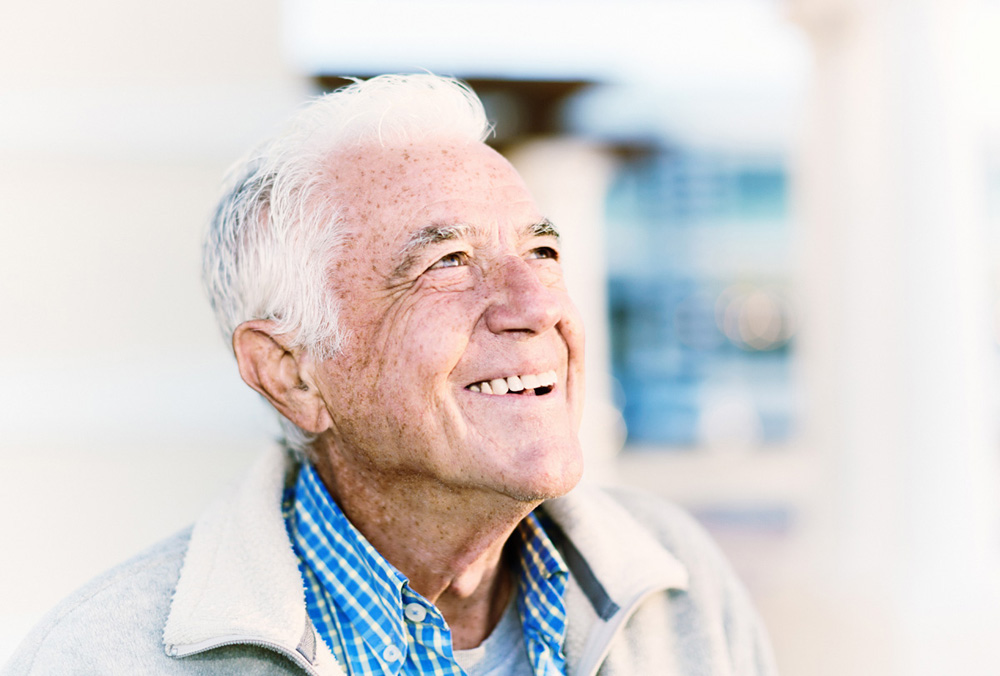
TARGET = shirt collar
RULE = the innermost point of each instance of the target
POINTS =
(356, 576)
(542, 579)
(349, 567)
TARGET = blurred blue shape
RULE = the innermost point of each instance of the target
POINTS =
(698, 293)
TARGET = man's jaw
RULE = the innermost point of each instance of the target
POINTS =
(531, 383)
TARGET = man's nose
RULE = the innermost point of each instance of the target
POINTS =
(521, 301)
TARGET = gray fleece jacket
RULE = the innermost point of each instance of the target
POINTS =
(648, 594)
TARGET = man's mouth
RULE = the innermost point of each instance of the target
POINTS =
(535, 383)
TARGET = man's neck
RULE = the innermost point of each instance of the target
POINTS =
(448, 543)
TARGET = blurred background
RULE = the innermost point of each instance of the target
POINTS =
(782, 222)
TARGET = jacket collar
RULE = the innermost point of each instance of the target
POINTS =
(616, 563)
(240, 582)
(621, 554)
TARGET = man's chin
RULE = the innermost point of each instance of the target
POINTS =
(539, 496)
(546, 485)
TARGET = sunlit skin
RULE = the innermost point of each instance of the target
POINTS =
(449, 275)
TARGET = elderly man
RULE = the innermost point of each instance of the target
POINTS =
(391, 288)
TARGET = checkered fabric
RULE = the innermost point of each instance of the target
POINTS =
(365, 611)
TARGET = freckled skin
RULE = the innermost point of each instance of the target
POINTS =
(434, 475)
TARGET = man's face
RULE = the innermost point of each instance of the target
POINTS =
(449, 278)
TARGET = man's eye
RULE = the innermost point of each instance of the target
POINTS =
(451, 260)
(544, 252)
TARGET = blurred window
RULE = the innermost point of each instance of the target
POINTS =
(701, 324)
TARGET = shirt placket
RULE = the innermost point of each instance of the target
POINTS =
(430, 638)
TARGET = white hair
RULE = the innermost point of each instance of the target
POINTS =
(276, 229)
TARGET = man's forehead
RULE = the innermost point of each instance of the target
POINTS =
(373, 159)
(402, 199)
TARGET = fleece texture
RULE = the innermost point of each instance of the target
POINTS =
(648, 594)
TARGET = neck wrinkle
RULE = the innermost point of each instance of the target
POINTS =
(448, 543)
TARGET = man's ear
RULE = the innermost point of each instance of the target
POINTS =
(281, 373)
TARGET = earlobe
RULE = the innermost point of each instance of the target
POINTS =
(280, 373)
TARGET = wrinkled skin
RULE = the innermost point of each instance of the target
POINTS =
(426, 321)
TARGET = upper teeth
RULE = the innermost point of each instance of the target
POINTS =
(515, 383)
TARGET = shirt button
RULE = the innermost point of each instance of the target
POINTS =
(392, 654)
(415, 612)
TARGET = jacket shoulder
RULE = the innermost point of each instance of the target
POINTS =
(715, 602)
(113, 621)
(673, 527)
(709, 572)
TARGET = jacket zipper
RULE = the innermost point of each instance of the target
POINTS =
(204, 646)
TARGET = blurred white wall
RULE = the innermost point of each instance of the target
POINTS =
(897, 352)
(120, 411)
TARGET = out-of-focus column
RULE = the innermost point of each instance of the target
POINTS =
(896, 356)
(570, 180)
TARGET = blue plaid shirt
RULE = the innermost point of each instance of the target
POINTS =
(364, 610)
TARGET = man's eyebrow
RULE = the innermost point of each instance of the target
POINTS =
(436, 233)
(423, 238)
(543, 228)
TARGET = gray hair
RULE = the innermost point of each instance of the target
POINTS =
(276, 230)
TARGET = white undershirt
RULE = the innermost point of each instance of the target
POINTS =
(503, 653)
